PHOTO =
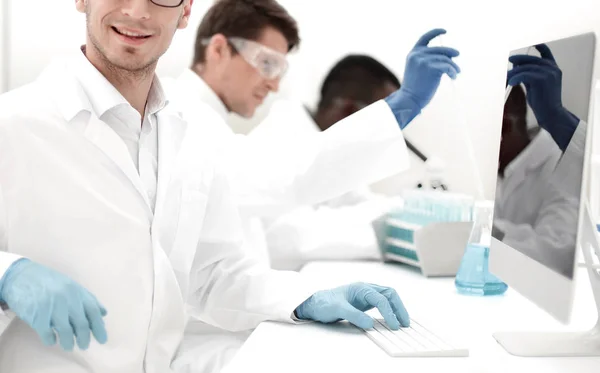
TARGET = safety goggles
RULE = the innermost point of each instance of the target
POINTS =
(167, 3)
(268, 62)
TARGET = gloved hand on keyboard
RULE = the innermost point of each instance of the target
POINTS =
(543, 81)
(49, 301)
(349, 302)
(422, 75)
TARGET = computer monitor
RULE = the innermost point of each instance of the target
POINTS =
(541, 215)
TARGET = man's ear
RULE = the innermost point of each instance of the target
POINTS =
(218, 48)
(80, 5)
(185, 17)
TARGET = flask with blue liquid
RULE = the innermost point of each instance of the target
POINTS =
(473, 276)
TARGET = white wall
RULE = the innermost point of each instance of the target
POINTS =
(484, 32)
(3, 44)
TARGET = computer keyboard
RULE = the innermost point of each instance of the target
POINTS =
(415, 341)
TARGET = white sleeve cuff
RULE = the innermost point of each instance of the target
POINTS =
(6, 260)
(308, 289)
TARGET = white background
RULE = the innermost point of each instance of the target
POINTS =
(3, 47)
(484, 32)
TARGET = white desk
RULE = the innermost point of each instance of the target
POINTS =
(275, 347)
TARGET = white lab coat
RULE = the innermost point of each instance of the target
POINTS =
(337, 229)
(271, 178)
(535, 215)
(71, 199)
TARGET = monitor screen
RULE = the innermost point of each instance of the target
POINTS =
(547, 99)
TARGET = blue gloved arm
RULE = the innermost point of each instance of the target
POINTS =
(422, 75)
(349, 302)
(543, 81)
(49, 301)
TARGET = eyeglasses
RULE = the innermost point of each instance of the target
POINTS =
(268, 62)
(167, 3)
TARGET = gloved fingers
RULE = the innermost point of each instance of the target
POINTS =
(427, 37)
(41, 321)
(444, 59)
(526, 77)
(383, 305)
(444, 68)
(94, 313)
(103, 311)
(545, 52)
(47, 335)
(396, 302)
(548, 71)
(80, 325)
(355, 316)
(522, 59)
(378, 288)
(534, 74)
(445, 51)
(60, 323)
(398, 307)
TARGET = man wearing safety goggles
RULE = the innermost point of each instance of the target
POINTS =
(239, 58)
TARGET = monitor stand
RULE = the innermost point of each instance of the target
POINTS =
(567, 344)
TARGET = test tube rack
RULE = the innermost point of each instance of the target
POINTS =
(436, 248)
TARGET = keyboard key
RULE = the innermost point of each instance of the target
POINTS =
(415, 341)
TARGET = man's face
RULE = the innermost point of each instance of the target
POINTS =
(514, 137)
(131, 35)
(243, 88)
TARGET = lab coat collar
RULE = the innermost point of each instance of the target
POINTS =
(103, 96)
(84, 88)
(197, 89)
(72, 98)
(539, 150)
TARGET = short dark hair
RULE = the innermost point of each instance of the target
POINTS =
(246, 19)
(356, 76)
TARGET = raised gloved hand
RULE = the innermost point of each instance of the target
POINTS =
(49, 301)
(543, 81)
(424, 69)
(349, 303)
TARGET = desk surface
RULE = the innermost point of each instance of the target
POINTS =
(467, 320)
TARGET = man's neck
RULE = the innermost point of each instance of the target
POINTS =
(210, 82)
(324, 120)
(134, 86)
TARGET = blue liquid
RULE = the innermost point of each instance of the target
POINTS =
(474, 277)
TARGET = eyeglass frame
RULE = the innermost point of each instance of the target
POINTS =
(234, 42)
(167, 6)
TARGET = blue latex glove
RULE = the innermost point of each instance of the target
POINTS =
(543, 81)
(49, 301)
(349, 303)
(422, 75)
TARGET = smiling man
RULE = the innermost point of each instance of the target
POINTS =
(116, 228)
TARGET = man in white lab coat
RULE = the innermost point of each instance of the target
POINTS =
(114, 226)
(336, 229)
(536, 211)
(240, 56)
